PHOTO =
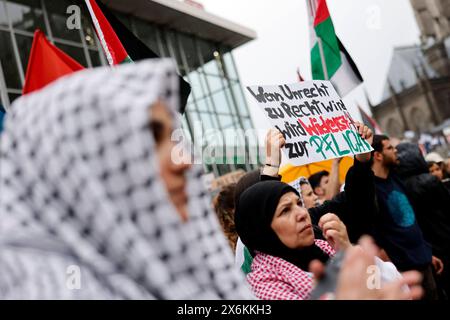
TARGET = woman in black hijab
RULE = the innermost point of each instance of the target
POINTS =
(277, 230)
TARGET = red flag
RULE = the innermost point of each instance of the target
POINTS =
(46, 64)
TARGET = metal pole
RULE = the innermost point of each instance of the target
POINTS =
(3, 93)
(312, 12)
(47, 22)
(15, 50)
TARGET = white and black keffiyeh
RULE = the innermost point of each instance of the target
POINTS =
(80, 186)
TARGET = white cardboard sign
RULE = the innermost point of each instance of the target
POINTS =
(313, 119)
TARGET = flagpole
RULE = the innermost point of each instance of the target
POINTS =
(100, 33)
(312, 12)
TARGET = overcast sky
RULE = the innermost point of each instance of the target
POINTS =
(369, 29)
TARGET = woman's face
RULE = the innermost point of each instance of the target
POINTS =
(172, 170)
(436, 171)
(292, 223)
(309, 197)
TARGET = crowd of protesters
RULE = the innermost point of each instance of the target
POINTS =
(393, 195)
(88, 179)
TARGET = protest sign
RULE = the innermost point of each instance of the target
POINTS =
(312, 118)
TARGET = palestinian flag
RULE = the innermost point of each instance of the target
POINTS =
(121, 45)
(327, 51)
(46, 64)
(370, 122)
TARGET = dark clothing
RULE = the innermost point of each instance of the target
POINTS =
(429, 198)
(398, 232)
(446, 182)
(355, 206)
(429, 284)
(431, 202)
(363, 212)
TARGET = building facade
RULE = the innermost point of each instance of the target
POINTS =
(201, 44)
(417, 90)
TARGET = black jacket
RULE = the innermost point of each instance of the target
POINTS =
(428, 196)
(356, 206)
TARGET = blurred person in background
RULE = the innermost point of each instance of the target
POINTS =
(326, 184)
(430, 200)
(223, 204)
(396, 228)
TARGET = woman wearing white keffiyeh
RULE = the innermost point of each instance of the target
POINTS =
(82, 189)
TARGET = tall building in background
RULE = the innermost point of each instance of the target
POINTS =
(417, 89)
(433, 18)
(200, 42)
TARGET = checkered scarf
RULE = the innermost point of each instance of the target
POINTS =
(85, 214)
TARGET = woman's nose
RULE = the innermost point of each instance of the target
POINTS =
(301, 214)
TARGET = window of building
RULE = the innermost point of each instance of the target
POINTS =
(208, 51)
(221, 103)
(214, 82)
(174, 48)
(58, 20)
(3, 16)
(88, 31)
(8, 61)
(198, 85)
(124, 18)
(247, 122)
(25, 15)
(95, 58)
(24, 44)
(239, 98)
(147, 33)
(226, 121)
(204, 104)
(161, 38)
(190, 51)
(223, 169)
(228, 64)
(208, 120)
(76, 53)
(13, 96)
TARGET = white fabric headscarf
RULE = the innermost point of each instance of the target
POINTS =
(80, 191)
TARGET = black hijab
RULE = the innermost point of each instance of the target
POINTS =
(253, 218)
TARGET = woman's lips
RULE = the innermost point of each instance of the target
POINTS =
(308, 226)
